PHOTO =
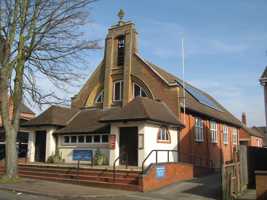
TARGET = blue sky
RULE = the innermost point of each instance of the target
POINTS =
(225, 44)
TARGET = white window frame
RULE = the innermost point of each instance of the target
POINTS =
(121, 91)
(163, 135)
(225, 134)
(199, 130)
(235, 136)
(259, 142)
(77, 139)
(213, 131)
(101, 96)
(141, 90)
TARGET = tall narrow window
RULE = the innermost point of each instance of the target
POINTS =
(225, 134)
(235, 136)
(138, 91)
(117, 90)
(199, 137)
(121, 48)
(213, 131)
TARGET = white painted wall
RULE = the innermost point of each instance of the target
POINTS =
(31, 147)
(50, 143)
(151, 132)
(66, 150)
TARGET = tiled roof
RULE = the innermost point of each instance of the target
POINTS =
(253, 131)
(86, 121)
(263, 131)
(143, 108)
(192, 103)
(55, 116)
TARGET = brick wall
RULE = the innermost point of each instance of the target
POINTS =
(206, 150)
(174, 172)
(261, 185)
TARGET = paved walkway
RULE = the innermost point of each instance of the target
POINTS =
(207, 188)
(248, 195)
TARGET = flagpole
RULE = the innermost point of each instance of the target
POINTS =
(183, 66)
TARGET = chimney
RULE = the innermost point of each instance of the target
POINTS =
(244, 118)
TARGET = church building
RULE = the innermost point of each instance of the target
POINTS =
(132, 111)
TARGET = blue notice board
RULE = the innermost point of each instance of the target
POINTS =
(160, 172)
(83, 155)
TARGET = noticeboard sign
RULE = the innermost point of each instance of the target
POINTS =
(160, 171)
(82, 155)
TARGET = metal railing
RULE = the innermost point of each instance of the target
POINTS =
(116, 160)
(156, 160)
(181, 157)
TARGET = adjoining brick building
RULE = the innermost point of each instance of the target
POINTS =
(131, 105)
(22, 138)
(250, 136)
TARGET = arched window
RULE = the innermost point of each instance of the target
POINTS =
(100, 97)
(121, 47)
(163, 135)
(138, 91)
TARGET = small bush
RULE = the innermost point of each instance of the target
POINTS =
(55, 158)
(100, 158)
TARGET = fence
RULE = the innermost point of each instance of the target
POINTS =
(235, 175)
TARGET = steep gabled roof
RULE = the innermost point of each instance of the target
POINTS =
(55, 116)
(143, 108)
(192, 103)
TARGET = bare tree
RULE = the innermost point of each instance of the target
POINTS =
(37, 37)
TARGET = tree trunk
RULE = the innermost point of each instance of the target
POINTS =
(11, 154)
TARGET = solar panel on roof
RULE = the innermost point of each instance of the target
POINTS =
(202, 98)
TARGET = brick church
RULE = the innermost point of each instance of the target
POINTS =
(130, 107)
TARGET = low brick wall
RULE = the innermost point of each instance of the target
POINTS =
(165, 174)
(261, 185)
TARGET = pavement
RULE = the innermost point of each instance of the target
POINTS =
(206, 188)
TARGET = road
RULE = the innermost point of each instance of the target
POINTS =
(207, 188)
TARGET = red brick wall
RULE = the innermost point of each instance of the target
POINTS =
(174, 172)
(261, 185)
(206, 150)
(255, 141)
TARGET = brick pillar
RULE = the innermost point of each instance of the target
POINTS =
(108, 70)
(127, 67)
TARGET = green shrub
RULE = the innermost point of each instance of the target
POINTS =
(55, 158)
(100, 158)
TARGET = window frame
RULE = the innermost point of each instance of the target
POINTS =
(213, 132)
(84, 140)
(101, 96)
(121, 91)
(163, 138)
(140, 92)
(225, 134)
(199, 130)
(235, 136)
